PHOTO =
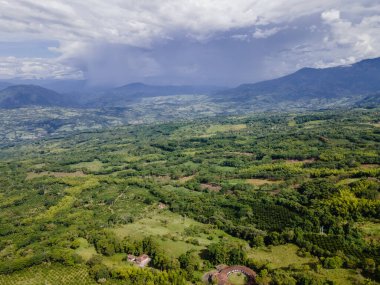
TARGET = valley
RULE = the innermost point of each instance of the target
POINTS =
(293, 196)
(29, 112)
(191, 142)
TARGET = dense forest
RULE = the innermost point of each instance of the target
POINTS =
(295, 197)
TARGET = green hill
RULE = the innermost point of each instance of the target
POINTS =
(29, 95)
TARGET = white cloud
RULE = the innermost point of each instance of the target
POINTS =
(346, 35)
(358, 40)
(36, 68)
(331, 15)
(266, 33)
(240, 37)
(138, 23)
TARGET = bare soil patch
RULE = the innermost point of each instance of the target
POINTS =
(211, 187)
(291, 161)
(164, 178)
(242, 153)
(275, 192)
(260, 182)
(162, 206)
(186, 178)
(369, 166)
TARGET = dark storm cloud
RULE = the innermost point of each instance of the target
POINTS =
(173, 41)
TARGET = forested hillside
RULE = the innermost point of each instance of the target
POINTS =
(332, 84)
(295, 197)
(19, 96)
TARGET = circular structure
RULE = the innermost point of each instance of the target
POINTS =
(222, 275)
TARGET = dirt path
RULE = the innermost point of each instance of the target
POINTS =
(113, 203)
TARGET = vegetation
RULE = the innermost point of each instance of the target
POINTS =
(296, 197)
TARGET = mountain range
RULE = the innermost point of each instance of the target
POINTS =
(362, 78)
(18, 96)
(356, 84)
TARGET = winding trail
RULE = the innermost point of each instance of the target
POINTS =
(113, 203)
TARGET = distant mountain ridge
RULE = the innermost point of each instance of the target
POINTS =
(371, 101)
(307, 88)
(134, 92)
(4, 84)
(18, 96)
(23, 95)
(359, 79)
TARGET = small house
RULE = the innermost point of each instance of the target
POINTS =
(143, 260)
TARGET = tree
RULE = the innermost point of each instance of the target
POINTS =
(99, 271)
(225, 252)
(333, 262)
(258, 241)
(190, 261)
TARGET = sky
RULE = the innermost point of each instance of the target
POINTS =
(200, 42)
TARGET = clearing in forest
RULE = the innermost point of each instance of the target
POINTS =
(213, 129)
(211, 187)
(32, 175)
(281, 256)
(260, 182)
(95, 165)
(237, 278)
(286, 257)
(177, 234)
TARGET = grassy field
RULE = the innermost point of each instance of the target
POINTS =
(95, 165)
(207, 131)
(237, 278)
(159, 223)
(285, 257)
(32, 175)
(343, 276)
(371, 230)
(171, 232)
(260, 182)
(85, 250)
(281, 256)
(213, 129)
(115, 261)
(346, 181)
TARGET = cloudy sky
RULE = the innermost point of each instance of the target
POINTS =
(216, 42)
